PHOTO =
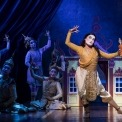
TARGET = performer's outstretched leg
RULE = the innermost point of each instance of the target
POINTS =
(106, 98)
(113, 104)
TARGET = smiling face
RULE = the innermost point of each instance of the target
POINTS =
(89, 40)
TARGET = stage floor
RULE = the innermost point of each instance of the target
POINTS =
(75, 114)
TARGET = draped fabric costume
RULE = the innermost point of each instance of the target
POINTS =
(35, 57)
(87, 78)
(49, 90)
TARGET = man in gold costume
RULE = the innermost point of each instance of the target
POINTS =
(87, 78)
(52, 90)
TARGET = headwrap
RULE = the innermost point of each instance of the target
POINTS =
(9, 62)
(27, 40)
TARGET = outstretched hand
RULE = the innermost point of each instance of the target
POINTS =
(47, 33)
(74, 29)
(120, 41)
(6, 38)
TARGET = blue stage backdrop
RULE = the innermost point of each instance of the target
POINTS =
(101, 17)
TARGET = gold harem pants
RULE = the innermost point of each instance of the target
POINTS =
(89, 86)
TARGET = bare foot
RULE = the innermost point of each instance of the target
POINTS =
(119, 111)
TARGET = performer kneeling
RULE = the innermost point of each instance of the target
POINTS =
(8, 94)
(52, 91)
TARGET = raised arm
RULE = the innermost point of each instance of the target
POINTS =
(48, 42)
(69, 43)
(62, 63)
(7, 45)
(8, 42)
